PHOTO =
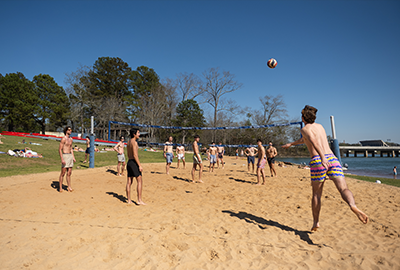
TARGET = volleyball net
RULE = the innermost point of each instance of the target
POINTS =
(176, 128)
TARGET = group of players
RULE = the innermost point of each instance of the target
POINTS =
(323, 163)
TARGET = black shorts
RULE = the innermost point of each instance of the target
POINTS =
(271, 160)
(87, 150)
(133, 168)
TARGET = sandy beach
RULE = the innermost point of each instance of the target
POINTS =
(226, 222)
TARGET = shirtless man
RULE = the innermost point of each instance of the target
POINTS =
(180, 152)
(134, 168)
(250, 152)
(168, 153)
(220, 156)
(271, 154)
(67, 158)
(87, 152)
(213, 156)
(197, 159)
(323, 163)
(261, 162)
(119, 148)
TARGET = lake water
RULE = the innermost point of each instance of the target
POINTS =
(371, 166)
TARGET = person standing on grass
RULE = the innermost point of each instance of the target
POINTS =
(323, 163)
(67, 159)
(134, 168)
(119, 148)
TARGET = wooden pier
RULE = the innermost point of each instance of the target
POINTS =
(382, 151)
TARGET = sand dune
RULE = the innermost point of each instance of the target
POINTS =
(225, 223)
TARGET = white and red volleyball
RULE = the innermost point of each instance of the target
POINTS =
(271, 63)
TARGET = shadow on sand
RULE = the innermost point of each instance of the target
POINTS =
(249, 218)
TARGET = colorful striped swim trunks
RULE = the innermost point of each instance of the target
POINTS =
(319, 172)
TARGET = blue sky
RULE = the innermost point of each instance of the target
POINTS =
(341, 57)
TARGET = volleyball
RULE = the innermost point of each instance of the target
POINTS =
(271, 63)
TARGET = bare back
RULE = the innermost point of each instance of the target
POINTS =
(314, 136)
(132, 147)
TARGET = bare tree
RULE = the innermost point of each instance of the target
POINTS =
(77, 91)
(215, 86)
(108, 109)
(189, 85)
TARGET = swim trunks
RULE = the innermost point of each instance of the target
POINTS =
(261, 163)
(271, 160)
(213, 159)
(196, 159)
(181, 156)
(133, 168)
(121, 157)
(220, 155)
(69, 161)
(319, 172)
(87, 150)
(169, 157)
(250, 159)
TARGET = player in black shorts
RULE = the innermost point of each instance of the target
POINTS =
(134, 168)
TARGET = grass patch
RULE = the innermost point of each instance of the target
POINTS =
(386, 181)
(51, 160)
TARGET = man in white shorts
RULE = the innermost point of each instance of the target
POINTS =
(180, 152)
(119, 148)
(213, 156)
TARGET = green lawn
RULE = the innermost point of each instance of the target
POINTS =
(51, 160)
(387, 181)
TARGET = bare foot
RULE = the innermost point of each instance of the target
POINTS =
(201, 181)
(315, 227)
(141, 203)
(129, 202)
(60, 190)
(70, 190)
(360, 214)
(258, 184)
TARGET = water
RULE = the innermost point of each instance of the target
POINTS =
(371, 166)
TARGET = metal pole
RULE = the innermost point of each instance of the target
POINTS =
(334, 142)
(333, 127)
(91, 157)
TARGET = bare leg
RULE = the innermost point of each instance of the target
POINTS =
(258, 176)
(167, 167)
(68, 177)
(184, 163)
(178, 164)
(317, 188)
(253, 167)
(118, 166)
(272, 169)
(122, 168)
(200, 172)
(139, 190)
(348, 197)
(193, 171)
(128, 189)
(263, 176)
(61, 179)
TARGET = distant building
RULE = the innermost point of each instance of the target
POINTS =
(374, 143)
